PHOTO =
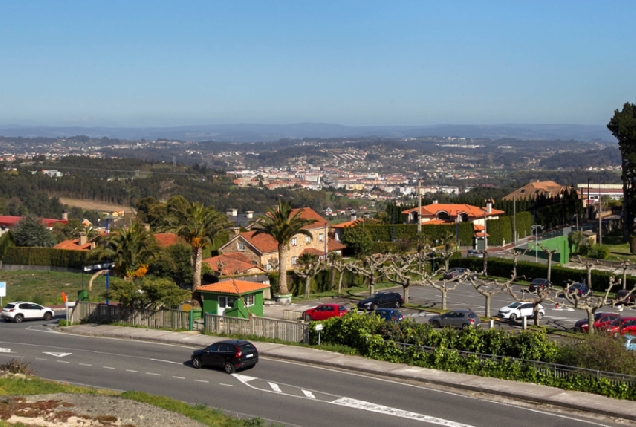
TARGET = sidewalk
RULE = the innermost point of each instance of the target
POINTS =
(522, 391)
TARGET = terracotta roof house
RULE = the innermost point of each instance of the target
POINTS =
(80, 244)
(538, 188)
(262, 249)
(449, 213)
(11, 221)
(233, 264)
(167, 239)
(233, 298)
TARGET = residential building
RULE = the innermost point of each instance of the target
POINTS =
(538, 188)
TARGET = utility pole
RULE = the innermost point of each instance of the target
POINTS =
(600, 225)
(514, 217)
(419, 205)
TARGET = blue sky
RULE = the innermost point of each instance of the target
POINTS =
(147, 63)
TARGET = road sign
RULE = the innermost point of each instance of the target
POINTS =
(3, 289)
(318, 327)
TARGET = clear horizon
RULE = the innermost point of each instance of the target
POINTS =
(355, 63)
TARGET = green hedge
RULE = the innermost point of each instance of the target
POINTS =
(384, 232)
(45, 256)
(502, 229)
(321, 282)
(6, 241)
(560, 275)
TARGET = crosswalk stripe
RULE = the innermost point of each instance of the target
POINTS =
(309, 394)
(275, 387)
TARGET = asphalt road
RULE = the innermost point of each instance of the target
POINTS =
(290, 393)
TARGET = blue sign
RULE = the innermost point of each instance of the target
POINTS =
(3, 289)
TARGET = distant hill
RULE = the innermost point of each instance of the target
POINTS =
(260, 132)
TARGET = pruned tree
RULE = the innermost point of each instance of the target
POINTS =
(400, 270)
(307, 267)
(336, 263)
(489, 288)
(587, 301)
(369, 267)
(550, 253)
(544, 294)
(625, 266)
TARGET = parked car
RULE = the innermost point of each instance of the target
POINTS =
(474, 253)
(325, 311)
(456, 272)
(518, 310)
(21, 310)
(381, 299)
(625, 297)
(537, 285)
(389, 314)
(229, 355)
(630, 342)
(622, 325)
(455, 319)
(601, 321)
(579, 288)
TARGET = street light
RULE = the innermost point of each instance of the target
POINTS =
(535, 230)
(108, 218)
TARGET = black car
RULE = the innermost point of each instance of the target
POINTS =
(381, 299)
(474, 253)
(456, 272)
(229, 355)
(537, 285)
(626, 297)
(578, 288)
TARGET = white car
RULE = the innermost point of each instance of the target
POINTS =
(518, 310)
(20, 310)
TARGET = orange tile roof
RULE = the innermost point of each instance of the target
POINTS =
(231, 286)
(168, 239)
(231, 265)
(334, 245)
(478, 227)
(73, 245)
(309, 213)
(453, 209)
(238, 256)
(264, 243)
(313, 251)
(438, 222)
(349, 223)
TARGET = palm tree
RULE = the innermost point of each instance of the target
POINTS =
(282, 226)
(132, 250)
(198, 225)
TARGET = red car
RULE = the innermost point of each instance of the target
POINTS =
(601, 321)
(325, 311)
(623, 326)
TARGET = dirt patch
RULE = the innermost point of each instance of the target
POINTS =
(73, 410)
(92, 205)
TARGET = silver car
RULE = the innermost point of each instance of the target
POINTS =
(455, 319)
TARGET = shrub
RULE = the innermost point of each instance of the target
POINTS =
(599, 351)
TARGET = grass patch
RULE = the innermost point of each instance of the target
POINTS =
(348, 292)
(46, 287)
(10, 385)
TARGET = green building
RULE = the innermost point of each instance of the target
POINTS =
(233, 298)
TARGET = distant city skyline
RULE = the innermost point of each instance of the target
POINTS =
(353, 63)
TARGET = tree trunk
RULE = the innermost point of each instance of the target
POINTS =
(487, 309)
(589, 278)
(406, 291)
(340, 282)
(371, 285)
(549, 265)
(307, 286)
(485, 263)
(333, 278)
(282, 270)
(197, 257)
(536, 314)
(444, 292)
(590, 322)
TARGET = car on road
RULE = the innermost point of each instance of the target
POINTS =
(462, 318)
(381, 300)
(578, 288)
(456, 272)
(474, 253)
(537, 285)
(229, 355)
(625, 297)
(389, 314)
(324, 311)
(601, 321)
(23, 310)
(622, 325)
(519, 310)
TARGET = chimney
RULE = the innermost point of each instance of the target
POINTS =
(354, 216)
(65, 215)
(249, 214)
(147, 227)
(435, 201)
(82, 239)
(236, 230)
(234, 212)
(489, 206)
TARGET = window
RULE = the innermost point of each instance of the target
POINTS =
(294, 260)
(241, 246)
(307, 239)
(248, 299)
(294, 242)
(321, 237)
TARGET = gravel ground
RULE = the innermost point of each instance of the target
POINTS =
(71, 410)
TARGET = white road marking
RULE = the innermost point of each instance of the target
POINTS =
(39, 358)
(202, 381)
(179, 378)
(386, 410)
(309, 394)
(62, 361)
(275, 387)
(130, 370)
(5, 350)
(52, 353)
(86, 364)
(226, 385)
(166, 361)
(107, 367)
(152, 373)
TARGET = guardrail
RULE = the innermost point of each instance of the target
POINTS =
(100, 313)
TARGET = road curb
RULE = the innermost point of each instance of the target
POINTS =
(517, 387)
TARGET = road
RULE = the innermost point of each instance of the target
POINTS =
(289, 393)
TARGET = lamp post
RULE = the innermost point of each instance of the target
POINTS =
(108, 218)
(535, 229)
